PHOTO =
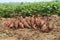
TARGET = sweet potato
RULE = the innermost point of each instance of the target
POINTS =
(25, 23)
(10, 24)
(37, 21)
(21, 25)
(33, 25)
(50, 26)
(16, 23)
(44, 28)
(28, 20)
(34, 22)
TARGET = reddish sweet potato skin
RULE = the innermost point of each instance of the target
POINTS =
(21, 25)
(10, 24)
(25, 23)
(31, 22)
(28, 20)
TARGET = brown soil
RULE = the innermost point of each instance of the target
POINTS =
(29, 34)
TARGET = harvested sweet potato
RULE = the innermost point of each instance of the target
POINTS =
(21, 25)
(44, 28)
(28, 20)
(50, 26)
(37, 21)
(34, 22)
(16, 23)
(10, 24)
(25, 23)
(33, 25)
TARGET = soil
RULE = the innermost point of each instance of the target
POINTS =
(29, 34)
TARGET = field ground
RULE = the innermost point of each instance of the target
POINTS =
(29, 34)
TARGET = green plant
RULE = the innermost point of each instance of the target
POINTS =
(29, 9)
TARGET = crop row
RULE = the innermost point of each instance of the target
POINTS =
(29, 9)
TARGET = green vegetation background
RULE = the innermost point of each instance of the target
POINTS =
(29, 9)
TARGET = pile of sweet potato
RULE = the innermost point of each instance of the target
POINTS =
(35, 22)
